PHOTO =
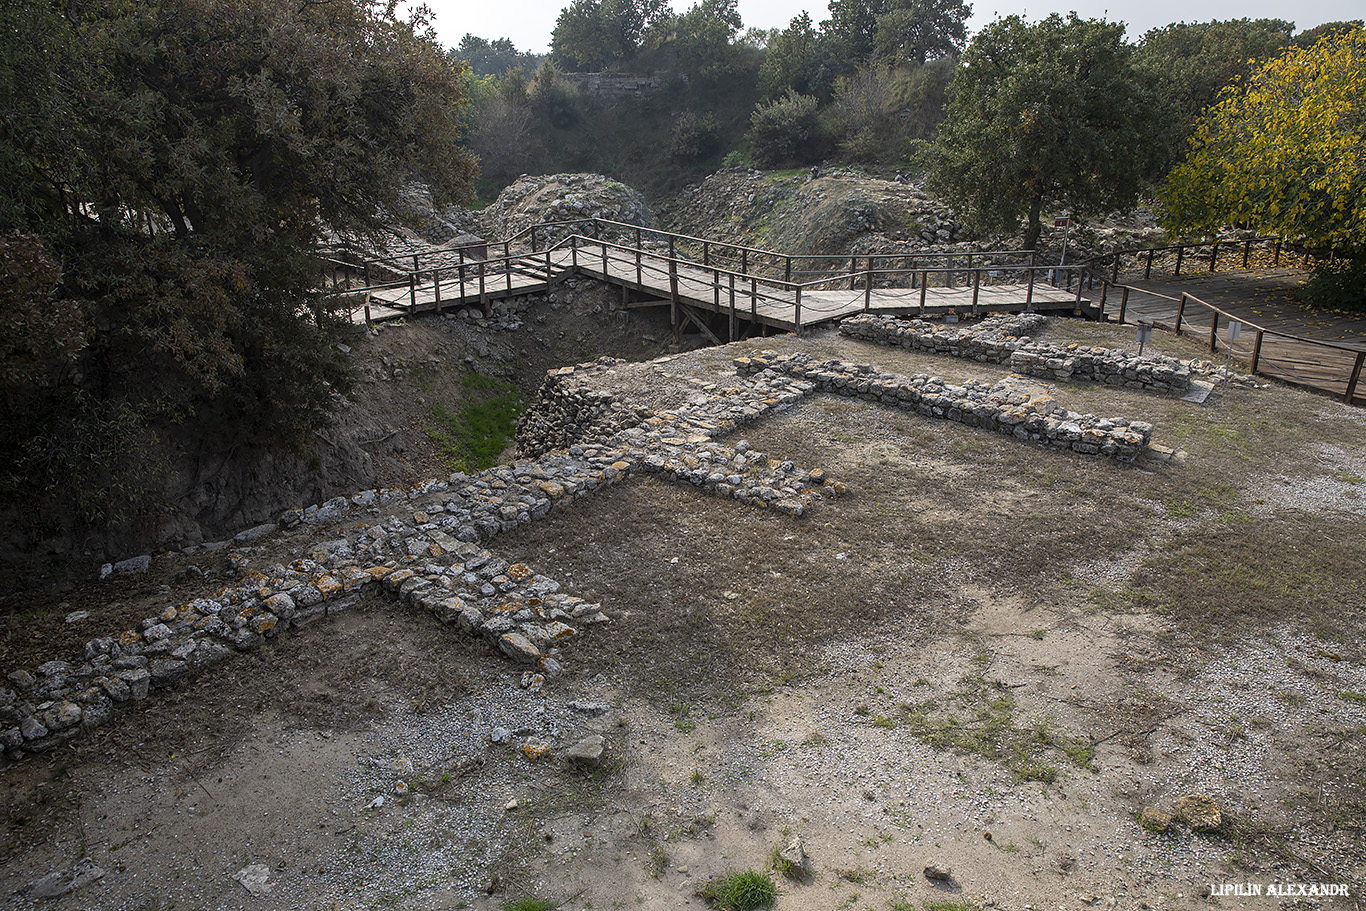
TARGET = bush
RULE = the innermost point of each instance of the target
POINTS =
(784, 131)
(1338, 285)
(693, 136)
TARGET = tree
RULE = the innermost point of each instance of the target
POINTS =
(494, 58)
(1050, 114)
(1284, 151)
(178, 162)
(794, 60)
(704, 36)
(592, 34)
(913, 31)
(904, 31)
(1194, 61)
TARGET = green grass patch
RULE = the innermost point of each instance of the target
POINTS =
(531, 904)
(741, 891)
(471, 436)
(980, 719)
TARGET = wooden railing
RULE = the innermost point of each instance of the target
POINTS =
(1256, 354)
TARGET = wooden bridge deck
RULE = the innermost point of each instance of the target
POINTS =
(748, 298)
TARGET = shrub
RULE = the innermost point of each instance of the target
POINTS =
(784, 130)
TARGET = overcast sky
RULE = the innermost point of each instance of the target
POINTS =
(529, 22)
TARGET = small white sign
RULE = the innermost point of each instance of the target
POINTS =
(1235, 329)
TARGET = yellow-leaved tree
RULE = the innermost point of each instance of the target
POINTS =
(1284, 151)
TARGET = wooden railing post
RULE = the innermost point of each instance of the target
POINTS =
(574, 250)
(412, 290)
(605, 276)
(507, 271)
(1351, 392)
(1123, 304)
(1114, 270)
(1180, 312)
(853, 268)
(533, 238)
(1247, 251)
(1278, 252)
(1104, 293)
(640, 286)
(799, 318)
(1257, 350)
(1214, 331)
(924, 286)
(1029, 294)
(1213, 255)
(1148, 266)
(1180, 253)
(369, 324)
(436, 286)
(744, 260)
(787, 270)
(483, 292)
(673, 289)
(976, 283)
(460, 271)
(868, 286)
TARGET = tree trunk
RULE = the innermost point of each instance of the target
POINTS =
(1035, 228)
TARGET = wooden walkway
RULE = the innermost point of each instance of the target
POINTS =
(714, 299)
(1316, 351)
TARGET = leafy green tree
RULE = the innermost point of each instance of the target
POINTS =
(1194, 61)
(913, 31)
(494, 58)
(1284, 151)
(178, 161)
(903, 31)
(1052, 114)
(704, 37)
(792, 59)
(590, 35)
(1313, 36)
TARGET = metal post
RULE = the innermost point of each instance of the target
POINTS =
(1257, 351)
(1180, 312)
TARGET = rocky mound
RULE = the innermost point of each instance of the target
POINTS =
(834, 211)
(564, 197)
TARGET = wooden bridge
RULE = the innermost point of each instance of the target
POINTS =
(720, 288)
(731, 291)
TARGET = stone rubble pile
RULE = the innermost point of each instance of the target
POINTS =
(419, 545)
(1010, 407)
(532, 200)
(1006, 339)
